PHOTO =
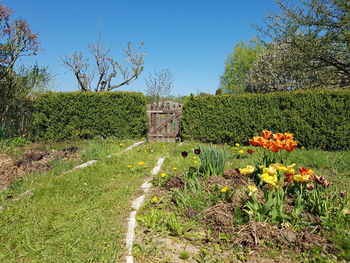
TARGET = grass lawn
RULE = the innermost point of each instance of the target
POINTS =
(79, 216)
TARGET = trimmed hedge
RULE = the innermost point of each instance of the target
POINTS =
(84, 115)
(319, 119)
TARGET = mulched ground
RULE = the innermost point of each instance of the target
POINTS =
(36, 160)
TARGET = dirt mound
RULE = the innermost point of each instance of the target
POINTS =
(254, 234)
(190, 212)
(231, 178)
(175, 182)
(36, 160)
(220, 217)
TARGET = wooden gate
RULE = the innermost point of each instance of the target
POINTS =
(164, 121)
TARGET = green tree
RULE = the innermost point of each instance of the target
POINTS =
(315, 34)
(238, 65)
(18, 84)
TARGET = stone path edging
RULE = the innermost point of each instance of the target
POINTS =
(136, 204)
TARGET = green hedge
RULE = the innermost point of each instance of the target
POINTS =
(319, 119)
(75, 115)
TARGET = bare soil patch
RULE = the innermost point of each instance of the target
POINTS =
(32, 161)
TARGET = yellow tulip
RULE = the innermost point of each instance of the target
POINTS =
(247, 170)
(302, 178)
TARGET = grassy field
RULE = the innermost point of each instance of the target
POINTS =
(80, 216)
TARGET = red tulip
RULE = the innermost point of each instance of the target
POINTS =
(310, 187)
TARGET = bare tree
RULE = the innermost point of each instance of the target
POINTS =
(107, 68)
(16, 40)
(159, 85)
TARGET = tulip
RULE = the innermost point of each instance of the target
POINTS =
(288, 136)
(305, 171)
(302, 178)
(310, 187)
(274, 148)
(266, 134)
(289, 178)
(247, 170)
(278, 136)
(184, 154)
(319, 179)
(269, 179)
(197, 151)
(326, 183)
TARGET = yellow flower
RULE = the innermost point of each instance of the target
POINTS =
(162, 174)
(284, 169)
(141, 163)
(195, 162)
(247, 170)
(241, 151)
(120, 144)
(154, 199)
(302, 178)
(224, 189)
(252, 189)
(235, 148)
(174, 169)
(269, 179)
(129, 166)
(270, 171)
(237, 144)
(303, 147)
(194, 157)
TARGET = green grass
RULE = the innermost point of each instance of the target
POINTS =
(74, 217)
(81, 216)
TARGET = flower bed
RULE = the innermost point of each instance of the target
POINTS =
(226, 211)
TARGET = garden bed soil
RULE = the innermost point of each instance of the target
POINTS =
(32, 161)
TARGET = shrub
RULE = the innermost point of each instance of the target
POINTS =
(319, 119)
(84, 115)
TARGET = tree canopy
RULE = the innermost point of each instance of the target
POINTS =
(238, 65)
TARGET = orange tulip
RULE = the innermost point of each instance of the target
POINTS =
(278, 136)
(268, 143)
(266, 134)
(274, 148)
(288, 136)
(305, 171)
(290, 145)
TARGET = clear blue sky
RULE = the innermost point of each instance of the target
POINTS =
(190, 37)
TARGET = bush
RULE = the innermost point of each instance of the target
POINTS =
(319, 119)
(84, 115)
